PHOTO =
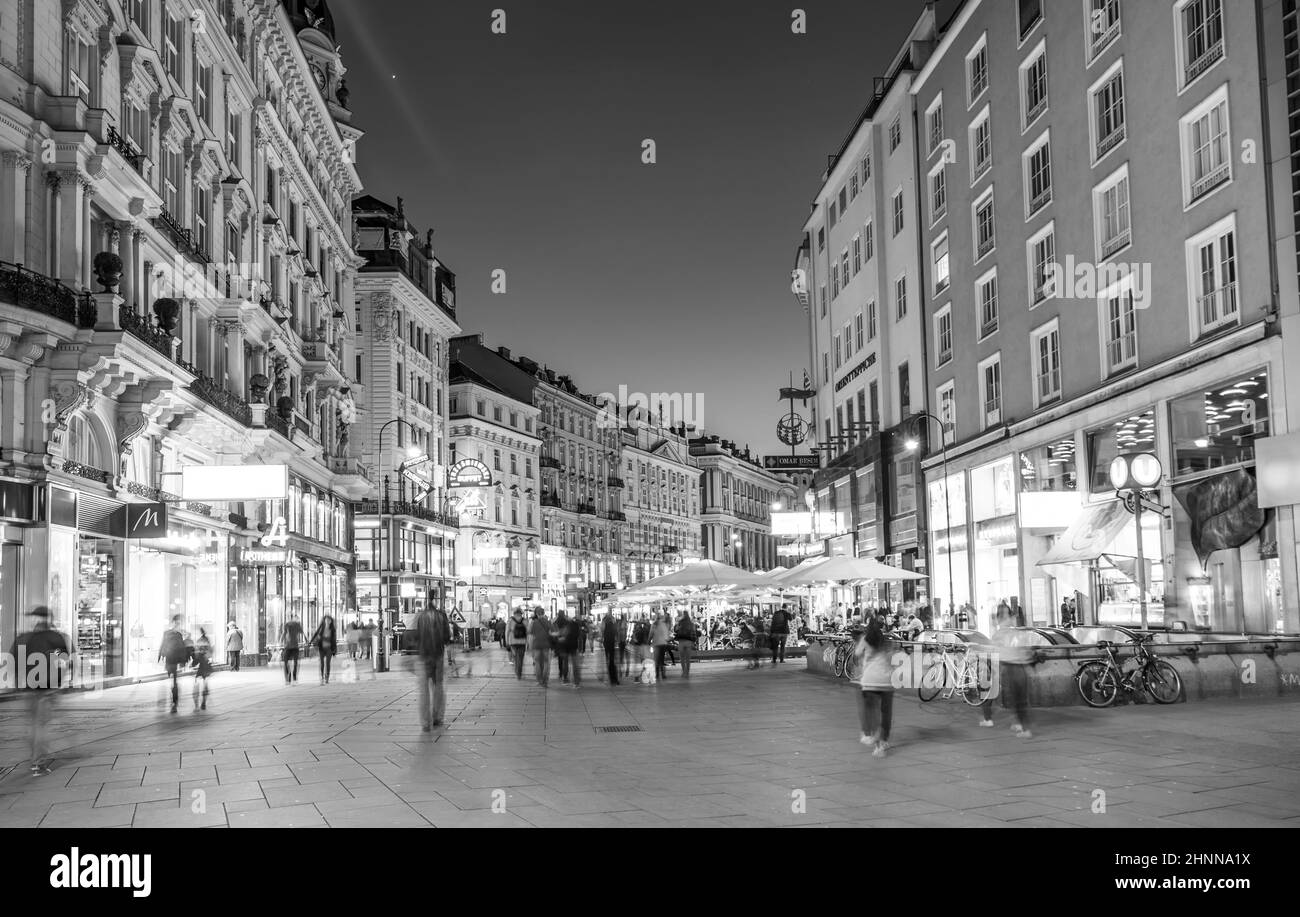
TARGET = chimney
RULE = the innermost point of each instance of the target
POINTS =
(504, 352)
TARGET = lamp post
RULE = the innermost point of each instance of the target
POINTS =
(912, 445)
(381, 662)
(1134, 476)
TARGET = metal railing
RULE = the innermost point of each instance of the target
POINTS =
(1040, 200)
(30, 290)
(227, 402)
(1218, 306)
(127, 149)
(181, 237)
(1204, 62)
(614, 481)
(138, 326)
(1211, 181)
(587, 509)
(546, 461)
(88, 472)
(407, 508)
(1111, 140)
(1115, 243)
(277, 423)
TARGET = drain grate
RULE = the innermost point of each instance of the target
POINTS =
(618, 728)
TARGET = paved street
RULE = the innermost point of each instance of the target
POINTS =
(729, 747)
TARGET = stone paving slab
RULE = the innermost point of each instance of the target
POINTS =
(729, 748)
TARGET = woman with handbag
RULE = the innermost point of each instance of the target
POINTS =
(686, 633)
(876, 700)
(202, 668)
(326, 642)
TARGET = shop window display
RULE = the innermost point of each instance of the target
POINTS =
(184, 574)
(949, 548)
(994, 553)
(1136, 433)
(1216, 428)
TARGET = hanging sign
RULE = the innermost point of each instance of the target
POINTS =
(469, 473)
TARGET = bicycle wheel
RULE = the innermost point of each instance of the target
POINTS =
(841, 657)
(1162, 681)
(974, 691)
(932, 681)
(1097, 684)
(852, 667)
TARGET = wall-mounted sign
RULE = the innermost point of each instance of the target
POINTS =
(234, 482)
(146, 520)
(856, 371)
(469, 473)
(791, 461)
(277, 535)
(261, 557)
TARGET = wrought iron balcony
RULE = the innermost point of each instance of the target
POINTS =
(407, 508)
(127, 150)
(587, 509)
(86, 471)
(227, 402)
(546, 461)
(181, 237)
(618, 516)
(550, 500)
(138, 326)
(614, 481)
(277, 423)
(320, 352)
(30, 290)
(1204, 61)
(1110, 141)
(341, 464)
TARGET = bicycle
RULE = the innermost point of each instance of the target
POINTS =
(848, 664)
(953, 677)
(1101, 680)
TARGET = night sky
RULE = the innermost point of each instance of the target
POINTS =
(523, 152)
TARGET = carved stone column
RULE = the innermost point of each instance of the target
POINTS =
(86, 191)
(126, 250)
(14, 169)
(54, 250)
(236, 370)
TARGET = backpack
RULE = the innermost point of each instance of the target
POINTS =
(521, 630)
(642, 633)
(174, 650)
(778, 621)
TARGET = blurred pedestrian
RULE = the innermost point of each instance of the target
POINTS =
(291, 637)
(540, 635)
(517, 637)
(432, 634)
(234, 645)
(760, 643)
(876, 709)
(368, 640)
(557, 634)
(780, 633)
(583, 627)
(660, 635)
(641, 651)
(609, 636)
(1012, 661)
(40, 657)
(202, 669)
(353, 636)
(174, 652)
(570, 647)
(622, 642)
(326, 641)
(687, 633)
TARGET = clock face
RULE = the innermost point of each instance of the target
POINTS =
(319, 74)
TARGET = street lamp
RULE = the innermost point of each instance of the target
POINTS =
(1134, 475)
(413, 457)
(912, 444)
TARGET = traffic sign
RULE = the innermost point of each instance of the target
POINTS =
(457, 617)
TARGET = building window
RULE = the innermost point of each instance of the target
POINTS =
(135, 124)
(480, 408)
(822, 293)
(1206, 145)
(1119, 327)
(904, 391)
(853, 186)
(868, 243)
(943, 336)
(1042, 257)
(857, 330)
(1106, 99)
(934, 124)
(986, 295)
(839, 353)
(900, 297)
(1110, 204)
(826, 368)
(171, 179)
(848, 341)
(977, 71)
(80, 67)
(844, 268)
(991, 391)
(980, 137)
(1045, 344)
(821, 241)
(232, 136)
(1033, 85)
(203, 92)
(202, 213)
(871, 320)
(496, 415)
(138, 11)
(1103, 26)
(844, 199)
(857, 254)
(939, 264)
(173, 41)
(832, 213)
(946, 403)
(982, 217)
(1030, 13)
(496, 459)
(1037, 164)
(1212, 265)
(874, 397)
(895, 134)
(938, 193)
(866, 170)
(898, 211)
(835, 282)
(1200, 38)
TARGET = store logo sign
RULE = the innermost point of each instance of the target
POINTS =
(146, 520)
(278, 535)
(258, 557)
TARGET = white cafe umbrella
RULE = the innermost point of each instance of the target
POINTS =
(707, 574)
(843, 568)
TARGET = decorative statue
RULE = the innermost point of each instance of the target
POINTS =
(345, 415)
(342, 93)
(280, 365)
(284, 407)
(168, 312)
(259, 384)
(108, 271)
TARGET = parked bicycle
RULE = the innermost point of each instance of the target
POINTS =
(957, 671)
(1100, 681)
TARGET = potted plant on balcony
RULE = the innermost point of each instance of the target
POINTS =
(108, 271)
(168, 313)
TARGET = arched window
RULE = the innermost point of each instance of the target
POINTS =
(82, 444)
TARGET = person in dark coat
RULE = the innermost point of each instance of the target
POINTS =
(174, 652)
(202, 669)
(571, 646)
(291, 635)
(234, 645)
(326, 641)
(609, 635)
(780, 633)
(41, 648)
(432, 634)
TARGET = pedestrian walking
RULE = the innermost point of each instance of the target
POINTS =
(291, 637)
(540, 635)
(432, 634)
(1013, 663)
(518, 641)
(780, 633)
(582, 634)
(326, 641)
(174, 652)
(41, 658)
(641, 650)
(234, 645)
(760, 643)
(876, 699)
(352, 634)
(660, 636)
(573, 635)
(609, 636)
(623, 627)
(202, 669)
(368, 640)
(686, 633)
(557, 633)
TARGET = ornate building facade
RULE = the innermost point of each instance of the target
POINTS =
(175, 289)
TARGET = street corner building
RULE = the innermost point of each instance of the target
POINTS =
(176, 289)
(1058, 234)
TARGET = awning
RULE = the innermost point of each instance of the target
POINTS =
(1090, 535)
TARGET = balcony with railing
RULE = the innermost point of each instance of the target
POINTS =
(1211, 180)
(614, 481)
(181, 237)
(551, 500)
(1115, 243)
(230, 404)
(86, 471)
(1203, 61)
(546, 461)
(322, 354)
(277, 423)
(407, 508)
(343, 464)
(127, 150)
(138, 326)
(1040, 200)
(587, 509)
(45, 295)
(1111, 140)
(618, 516)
